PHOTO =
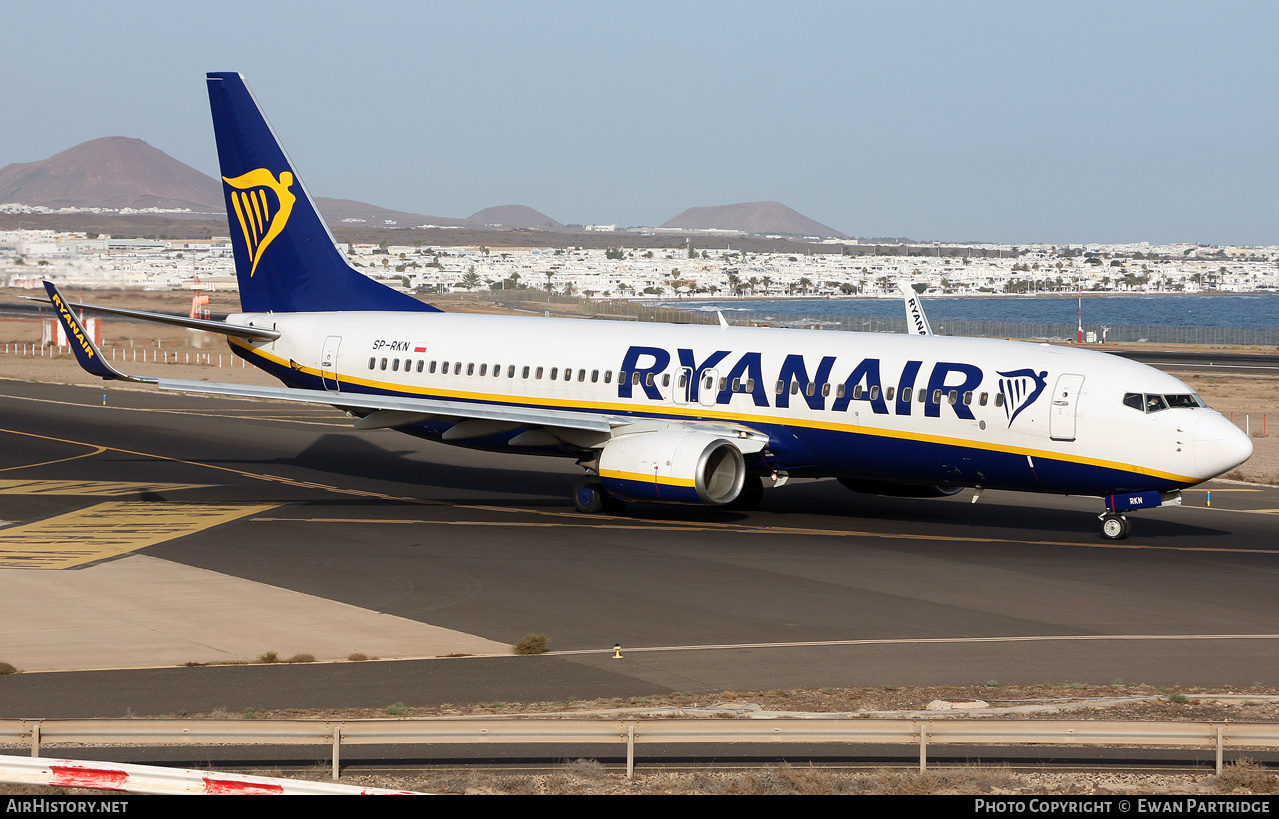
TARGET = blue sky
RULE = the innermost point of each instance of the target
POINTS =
(992, 121)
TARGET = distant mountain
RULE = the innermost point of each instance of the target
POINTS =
(337, 211)
(752, 217)
(512, 216)
(119, 172)
(111, 172)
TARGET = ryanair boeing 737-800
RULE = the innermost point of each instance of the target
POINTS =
(679, 413)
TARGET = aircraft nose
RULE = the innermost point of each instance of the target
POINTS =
(1220, 446)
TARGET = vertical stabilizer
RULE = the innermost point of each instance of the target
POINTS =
(286, 259)
(916, 321)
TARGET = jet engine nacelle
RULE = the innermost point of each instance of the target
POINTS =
(673, 466)
(899, 490)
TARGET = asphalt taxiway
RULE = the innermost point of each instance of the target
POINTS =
(159, 530)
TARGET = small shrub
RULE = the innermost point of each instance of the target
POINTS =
(532, 644)
(301, 658)
(268, 657)
(250, 713)
(396, 709)
(357, 657)
(1247, 774)
(6, 668)
(591, 769)
(1180, 699)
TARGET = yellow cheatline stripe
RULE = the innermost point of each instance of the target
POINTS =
(109, 529)
(682, 413)
(108, 488)
(644, 477)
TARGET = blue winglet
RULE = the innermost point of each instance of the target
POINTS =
(86, 352)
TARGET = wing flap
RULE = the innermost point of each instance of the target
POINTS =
(356, 401)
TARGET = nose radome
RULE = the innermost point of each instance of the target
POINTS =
(1220, 446)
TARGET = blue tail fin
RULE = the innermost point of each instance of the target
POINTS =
(286, 259)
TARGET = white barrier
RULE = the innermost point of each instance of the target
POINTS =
(150, 779)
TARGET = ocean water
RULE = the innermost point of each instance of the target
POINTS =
(1252, 310)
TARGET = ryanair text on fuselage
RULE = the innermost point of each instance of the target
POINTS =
(641, 365)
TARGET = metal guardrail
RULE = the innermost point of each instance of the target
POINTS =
(632, 732)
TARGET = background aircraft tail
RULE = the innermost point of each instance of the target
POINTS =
(286, 259)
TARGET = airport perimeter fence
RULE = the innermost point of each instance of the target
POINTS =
(154, 355)
(978, 328)
(631, 735)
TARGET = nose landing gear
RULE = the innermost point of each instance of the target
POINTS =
(1114, 526)
(1114, 523)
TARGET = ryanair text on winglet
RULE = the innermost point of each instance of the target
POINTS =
(69, 320)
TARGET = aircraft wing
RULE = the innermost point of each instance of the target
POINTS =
(585, 429)
(424, 407)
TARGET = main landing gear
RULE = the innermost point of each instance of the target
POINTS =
(591, 498)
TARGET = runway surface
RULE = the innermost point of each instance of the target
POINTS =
(160, 529)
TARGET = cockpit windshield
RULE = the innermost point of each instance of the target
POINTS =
(1147, 402)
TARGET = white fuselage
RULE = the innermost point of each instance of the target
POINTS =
(897, 408)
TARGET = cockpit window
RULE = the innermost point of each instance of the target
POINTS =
(1155, 403)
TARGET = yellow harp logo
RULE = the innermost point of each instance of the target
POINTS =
(262, 204)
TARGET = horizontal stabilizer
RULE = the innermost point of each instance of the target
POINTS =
(220, 327)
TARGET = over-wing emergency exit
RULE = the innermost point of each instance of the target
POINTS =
(680, 413)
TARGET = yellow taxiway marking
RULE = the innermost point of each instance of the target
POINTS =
(595, 522)
(582, 519)
(107, 488)
(109, 529)
(96, 451)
